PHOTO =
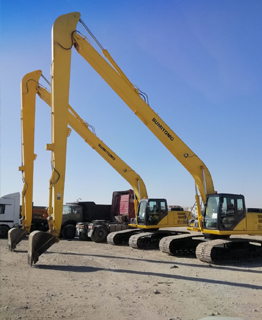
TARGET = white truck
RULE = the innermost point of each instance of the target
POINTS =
(9, 212)
(10, 215)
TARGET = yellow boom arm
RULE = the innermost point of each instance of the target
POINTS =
(28, 93)
(65, 36)
(61, 39)
(117, 80)
(29, 88)
(29, 85)
(81, 127)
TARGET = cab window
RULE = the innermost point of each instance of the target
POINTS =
(141, 212)
(2, 208)
(210, 219)
(153, 212)
(240, 207)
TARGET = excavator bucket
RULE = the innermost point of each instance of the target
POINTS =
(15, 235)
(39, 242)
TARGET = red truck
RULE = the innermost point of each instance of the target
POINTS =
(99, 219)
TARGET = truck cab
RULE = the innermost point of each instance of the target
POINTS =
(78, 214)
(103, 219)
(72, 214)
(9, 212)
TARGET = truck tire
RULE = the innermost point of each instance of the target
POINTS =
(92, 237)
(83, 236)
(3, 231)
(69, 231)
(100, 234)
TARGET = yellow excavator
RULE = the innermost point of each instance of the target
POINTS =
(224, 214)
(29, 88)
(39, 242)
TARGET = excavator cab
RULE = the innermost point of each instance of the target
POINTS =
(151, 211)
(223, 211)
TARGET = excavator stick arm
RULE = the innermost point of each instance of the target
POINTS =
(29, 86)
(60, 76)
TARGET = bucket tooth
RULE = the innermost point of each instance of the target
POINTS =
(39, 242)
(15, 235)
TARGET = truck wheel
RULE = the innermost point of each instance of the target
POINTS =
(3, 231)
(92, 237)
(100, 234)
(69, 231)
(83, 236)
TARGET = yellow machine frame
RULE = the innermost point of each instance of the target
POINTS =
(130, 94)
(64, 38)
(29, 88)
(117, 80)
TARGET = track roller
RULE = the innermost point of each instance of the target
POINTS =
(39, 242)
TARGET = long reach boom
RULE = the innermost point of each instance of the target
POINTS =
(29, 88)
(64, 37)
(224, 214)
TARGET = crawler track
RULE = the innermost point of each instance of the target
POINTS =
(233, 250)
(137, 239)
(121, 238)
(181, 245)
(149, 240)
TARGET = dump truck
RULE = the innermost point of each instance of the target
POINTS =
(101, 219)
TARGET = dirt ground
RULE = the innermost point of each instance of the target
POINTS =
(87, 280)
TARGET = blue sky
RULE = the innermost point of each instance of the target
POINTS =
(200, 63)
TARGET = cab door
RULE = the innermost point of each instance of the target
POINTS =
(157, 210)
(232, 211)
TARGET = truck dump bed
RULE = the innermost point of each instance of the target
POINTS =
(93, 211)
